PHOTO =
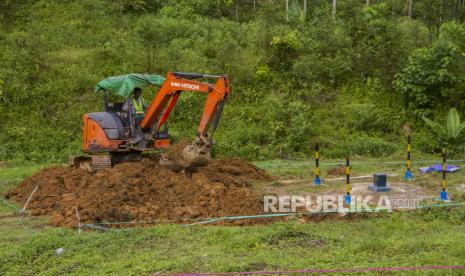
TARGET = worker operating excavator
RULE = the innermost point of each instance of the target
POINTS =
(138, 103)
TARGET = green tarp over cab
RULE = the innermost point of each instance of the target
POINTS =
(123, 85)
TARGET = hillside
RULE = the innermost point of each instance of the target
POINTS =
(349, 76)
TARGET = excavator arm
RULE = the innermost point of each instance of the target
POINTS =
(163, 103)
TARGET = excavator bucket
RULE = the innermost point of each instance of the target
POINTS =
(193, 155)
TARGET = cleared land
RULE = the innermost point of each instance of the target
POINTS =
(427, 237)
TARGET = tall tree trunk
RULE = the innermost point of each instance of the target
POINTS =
(237, 10)
(305, 9)
(404, 7)
(287, 10)
(441, 12)
(367, 2)
(447, 13)
(254, 5)
(392, 9)
(409, 9)
(459, 11)
(334, 9)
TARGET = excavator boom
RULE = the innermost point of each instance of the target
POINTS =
(169, 92)
(167, 96)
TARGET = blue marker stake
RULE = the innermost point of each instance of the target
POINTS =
(317, 166)
(443, 182)
(347, 196)
(408, 173)
(443, 195)
(347, 199)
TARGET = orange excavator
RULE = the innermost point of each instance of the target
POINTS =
(114, 135)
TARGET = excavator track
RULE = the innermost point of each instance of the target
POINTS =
(91, 163)
(101, 162)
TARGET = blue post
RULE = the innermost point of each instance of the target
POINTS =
(317, 166)
(443, 195)
(347, 199)
(408, 173)
(347, 196)
(443, 182)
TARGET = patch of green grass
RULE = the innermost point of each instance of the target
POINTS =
(17, 171)
(399, 239)
(11, 173)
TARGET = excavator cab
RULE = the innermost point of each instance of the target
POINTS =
(131, 128)
(113, 135)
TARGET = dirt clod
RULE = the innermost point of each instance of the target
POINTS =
(142, 191)
(175, 151)
(339, 170)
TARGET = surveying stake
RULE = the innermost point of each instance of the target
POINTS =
(317, 166)
(347, 197)
(408, 173)
(443, 182)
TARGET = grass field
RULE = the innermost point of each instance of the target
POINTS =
(433, 236)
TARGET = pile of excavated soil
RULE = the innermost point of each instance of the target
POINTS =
(142, 191)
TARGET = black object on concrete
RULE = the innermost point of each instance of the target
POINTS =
(379, 183)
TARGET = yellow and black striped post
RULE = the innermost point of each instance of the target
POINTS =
(317, 165)
(444, 172)
(408, 173)
(347, 197)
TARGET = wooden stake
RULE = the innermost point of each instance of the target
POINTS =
(29, 199)
(79, 220)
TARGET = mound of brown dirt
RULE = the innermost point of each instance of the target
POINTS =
(142, 191)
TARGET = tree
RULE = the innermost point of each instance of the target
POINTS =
(433, 76)
(449, 134)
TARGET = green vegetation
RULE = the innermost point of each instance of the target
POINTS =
(448, 134)
(348, 78)
(433, 237)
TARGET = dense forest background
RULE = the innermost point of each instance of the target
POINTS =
(348, 73)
